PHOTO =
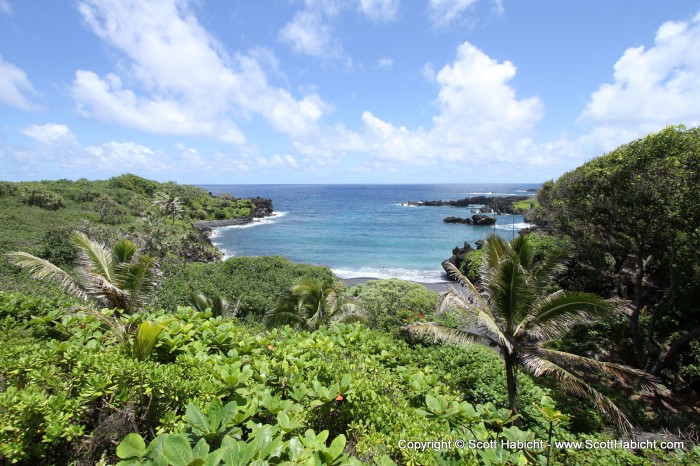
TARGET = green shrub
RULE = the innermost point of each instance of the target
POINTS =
(386, 302)
(41, 198)
(256, 281)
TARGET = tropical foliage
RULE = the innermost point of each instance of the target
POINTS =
(344, 394)
(514, 313)
(118, 277)
(633, 216)
(253, 282)
(310, 305)
(391, 304)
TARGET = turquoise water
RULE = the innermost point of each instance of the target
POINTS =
(363, 230)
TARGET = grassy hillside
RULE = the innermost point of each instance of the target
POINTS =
(37, 217)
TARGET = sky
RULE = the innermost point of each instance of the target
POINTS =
(337, 91)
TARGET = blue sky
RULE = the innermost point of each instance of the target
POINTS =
(337, 91)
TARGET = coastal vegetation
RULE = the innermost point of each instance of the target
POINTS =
(151, 351)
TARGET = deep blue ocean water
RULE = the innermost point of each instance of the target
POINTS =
(363, 230)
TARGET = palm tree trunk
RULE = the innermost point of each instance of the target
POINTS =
(511, 381)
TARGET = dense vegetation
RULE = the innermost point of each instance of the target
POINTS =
(38, 218)
(633, 219)
(188, 374)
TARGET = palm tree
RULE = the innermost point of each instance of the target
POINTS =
(218, 305)
(117, 277)
(169, 204)
(514, 313)
(310, 304)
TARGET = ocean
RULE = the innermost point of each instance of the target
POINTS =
(363, 230)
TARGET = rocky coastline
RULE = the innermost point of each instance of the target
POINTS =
(478, 220)
(261, 208)
(499, 204)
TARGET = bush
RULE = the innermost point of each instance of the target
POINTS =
(41, 198)
(257, 281)
(388, 303)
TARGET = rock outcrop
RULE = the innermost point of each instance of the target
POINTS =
(498, 204)
(478, 220)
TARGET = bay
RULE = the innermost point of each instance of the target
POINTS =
(363, 230)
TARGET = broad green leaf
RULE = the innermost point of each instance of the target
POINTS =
(432, 403)
(201, 449)
(177, 450)
(215, 414)
(337, 446)
(132, 446)
(197, 419)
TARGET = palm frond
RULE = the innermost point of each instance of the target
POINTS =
(43, 269)
(123, 250)
(524, 250)
(482, 318)
(460, 337)
(348, 311)
(199, 302)
(629, 375)
(494, 249)
(510, 292)
(552, 316)
(279, 317)
(94, 256)
(470, 290)
(139, 280)
(570, 383)
(145, 339)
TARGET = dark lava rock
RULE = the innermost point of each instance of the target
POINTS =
(499, 204)
(483, 220)
(466, 221)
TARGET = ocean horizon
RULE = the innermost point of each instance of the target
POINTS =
(364, 230)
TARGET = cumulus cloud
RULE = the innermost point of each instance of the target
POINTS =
(651, 88)
(187, 84)
(15, 86)
(380, 10)
(480, 118)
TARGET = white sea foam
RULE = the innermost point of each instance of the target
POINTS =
(488, 194)
(426, 276)
(216, 232)
(406, 204)
(509, 226)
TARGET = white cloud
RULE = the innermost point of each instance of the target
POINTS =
(50, 133)
(5, 7)
(308, 33)
(654, 87)
(187, 84)
(380, 10)
(14, 87)
(385, 63)
(443, 12)
(480, 118)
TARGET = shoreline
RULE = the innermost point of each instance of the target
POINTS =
(207, 227)
(438, 287)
